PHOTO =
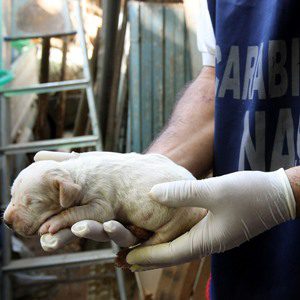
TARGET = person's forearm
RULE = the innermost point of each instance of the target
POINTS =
(293, 175)
(188, 136)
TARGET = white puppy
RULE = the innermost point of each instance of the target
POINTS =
(49, 196)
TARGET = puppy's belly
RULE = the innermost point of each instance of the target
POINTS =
(146, 214)
(181, 222)
(166, 223)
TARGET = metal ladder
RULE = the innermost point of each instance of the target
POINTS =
(7, 150)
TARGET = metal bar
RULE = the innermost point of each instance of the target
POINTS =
(129, 129)
(36, 282)
(68, 143)
(109, 30)
(6, 292)
(146, 61)
(87, 74)
(1, 36)
(5, 198)
(170, 61)
(121, 283)
(157, 65)
(21, 37)
(180, 46)
(48, 87)
(52, 261)
(122, 97)
(119, 274)
(135, 75)
(120, 48)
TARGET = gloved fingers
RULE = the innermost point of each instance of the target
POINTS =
(51, 242)
(111, 230)
(54, 155)
(166, 254)
(193, 193)
(90, 229)
(119, 234)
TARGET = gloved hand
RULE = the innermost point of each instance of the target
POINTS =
(89, 229)
(240, 206)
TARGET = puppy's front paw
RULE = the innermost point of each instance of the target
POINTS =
(53, 225)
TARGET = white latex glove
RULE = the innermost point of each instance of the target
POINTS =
(89, 229)
(240, 206)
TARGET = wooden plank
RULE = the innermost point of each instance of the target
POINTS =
(202, 278)
(129, 130)
(177, 282)
(159, 62)
(42, 127)
(187, 283)
(122, 98)
(157, 76)
(146, 73)
(62, 100)
(117, 61)
(179, 40)
(165, 284)
(188, 73)
(169, 63)
(191, 9)
(105, 59)
(134, 75)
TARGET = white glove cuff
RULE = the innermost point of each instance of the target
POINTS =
(289, 195)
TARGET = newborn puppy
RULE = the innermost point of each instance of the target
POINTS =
(49, 196)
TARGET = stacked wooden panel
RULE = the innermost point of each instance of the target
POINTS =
(159, 68)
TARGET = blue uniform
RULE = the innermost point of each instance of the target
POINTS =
(257, 128)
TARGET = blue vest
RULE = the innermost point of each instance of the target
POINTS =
(257, 128)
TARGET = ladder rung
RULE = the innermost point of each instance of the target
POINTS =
(103, 255)
(49, 87)
(36, 36)
(68, 143)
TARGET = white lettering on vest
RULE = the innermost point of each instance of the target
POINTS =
(278, 78)
(231, 77)
(254, 155)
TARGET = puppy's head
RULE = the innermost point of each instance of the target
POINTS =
(40, 191)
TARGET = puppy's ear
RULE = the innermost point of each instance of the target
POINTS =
(61, 184)
(69, 192)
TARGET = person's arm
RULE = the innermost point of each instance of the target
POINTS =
(188, 137)
(240, 206)
(293, 175)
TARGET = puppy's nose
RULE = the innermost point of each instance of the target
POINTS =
(8, 224)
